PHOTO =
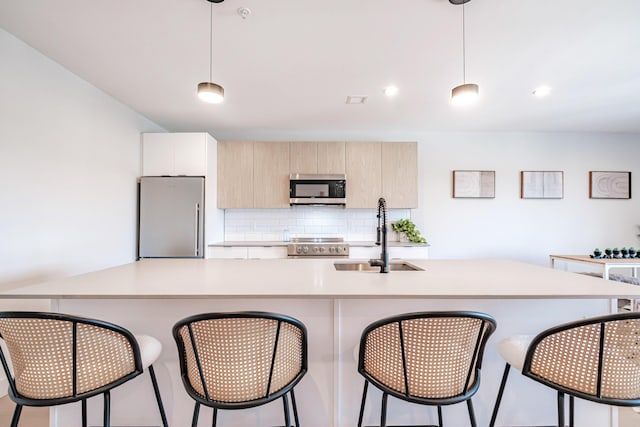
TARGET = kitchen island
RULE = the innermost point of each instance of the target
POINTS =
(151, 295)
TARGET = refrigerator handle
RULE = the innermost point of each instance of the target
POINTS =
(197, 230)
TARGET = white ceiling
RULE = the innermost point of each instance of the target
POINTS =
(291, 64)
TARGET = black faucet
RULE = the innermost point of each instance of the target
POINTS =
(381, 238)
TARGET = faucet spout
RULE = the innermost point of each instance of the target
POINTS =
(381, 239)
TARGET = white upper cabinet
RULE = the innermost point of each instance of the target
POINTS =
(174, 154)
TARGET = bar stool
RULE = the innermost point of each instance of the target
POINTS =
(241, 360)
(596, 359)
(58, 359)
(428, 358)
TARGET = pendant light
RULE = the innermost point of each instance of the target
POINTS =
(466, 93)
(209, 91)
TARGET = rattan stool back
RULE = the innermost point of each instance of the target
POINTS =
(429, 358)
(57, 358)
(241, 360)
(597, 359)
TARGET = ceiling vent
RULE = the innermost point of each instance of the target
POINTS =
(356, 99)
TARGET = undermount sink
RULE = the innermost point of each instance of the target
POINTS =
(364, 266)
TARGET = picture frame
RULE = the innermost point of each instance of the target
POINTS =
(609, 185)
(541, 184)
(475, 184)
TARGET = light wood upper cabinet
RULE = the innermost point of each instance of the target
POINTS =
(331, 157)
(304, 157)
(364, 171)
(256, 174)
(400, 174)
(271, 175)
(317, 157)
(235, 175)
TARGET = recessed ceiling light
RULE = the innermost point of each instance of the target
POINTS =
(391, 90)
(356, 99)
(541, 91)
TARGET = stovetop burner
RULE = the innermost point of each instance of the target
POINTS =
(317, 247)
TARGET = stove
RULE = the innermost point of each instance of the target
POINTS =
(325, 247)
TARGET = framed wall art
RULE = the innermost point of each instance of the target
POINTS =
(474, 184)
(541, 184)
(609, 185)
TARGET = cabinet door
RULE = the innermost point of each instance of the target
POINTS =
(190, 154)
(157, 154)
(174, 154)
(400, 174)
(271, 175)
(364, 171)
(235, 175)
(304, 157)
(331, 157)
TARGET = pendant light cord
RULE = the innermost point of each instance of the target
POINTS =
(210, 41)
(464, 54)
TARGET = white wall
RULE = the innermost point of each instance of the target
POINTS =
(69, 159)
(525, 229)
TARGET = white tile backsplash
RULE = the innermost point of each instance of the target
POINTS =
(305, 221)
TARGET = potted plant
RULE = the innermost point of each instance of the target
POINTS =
(624, 252)
(616, 253)
(408, 228)
(597, 253)
(607, 253)
(632, 252)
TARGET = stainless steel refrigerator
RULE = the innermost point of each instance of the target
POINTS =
(171, 217)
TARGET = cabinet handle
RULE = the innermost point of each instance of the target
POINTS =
(197, 229)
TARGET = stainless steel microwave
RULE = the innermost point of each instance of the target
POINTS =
(311, 189)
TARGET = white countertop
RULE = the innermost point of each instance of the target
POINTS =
(271, 243)
(316, 278)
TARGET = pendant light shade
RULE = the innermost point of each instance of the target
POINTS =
(209, 91)
(466, 93)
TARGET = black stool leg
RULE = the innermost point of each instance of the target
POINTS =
(440, 416)
(84, 412)
(214, 420)
(364, 399)
(196, 412)
(472, 415)
(505, 375)
(285, 404)
(107, 409)
(560, 409)
(383, 412)
(570, 411)
(295, 408)
(156, 391)
(16, 416)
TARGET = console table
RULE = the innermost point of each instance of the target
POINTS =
(605, 263)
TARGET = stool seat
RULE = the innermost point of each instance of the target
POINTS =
(150, 349)
(514, 349)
